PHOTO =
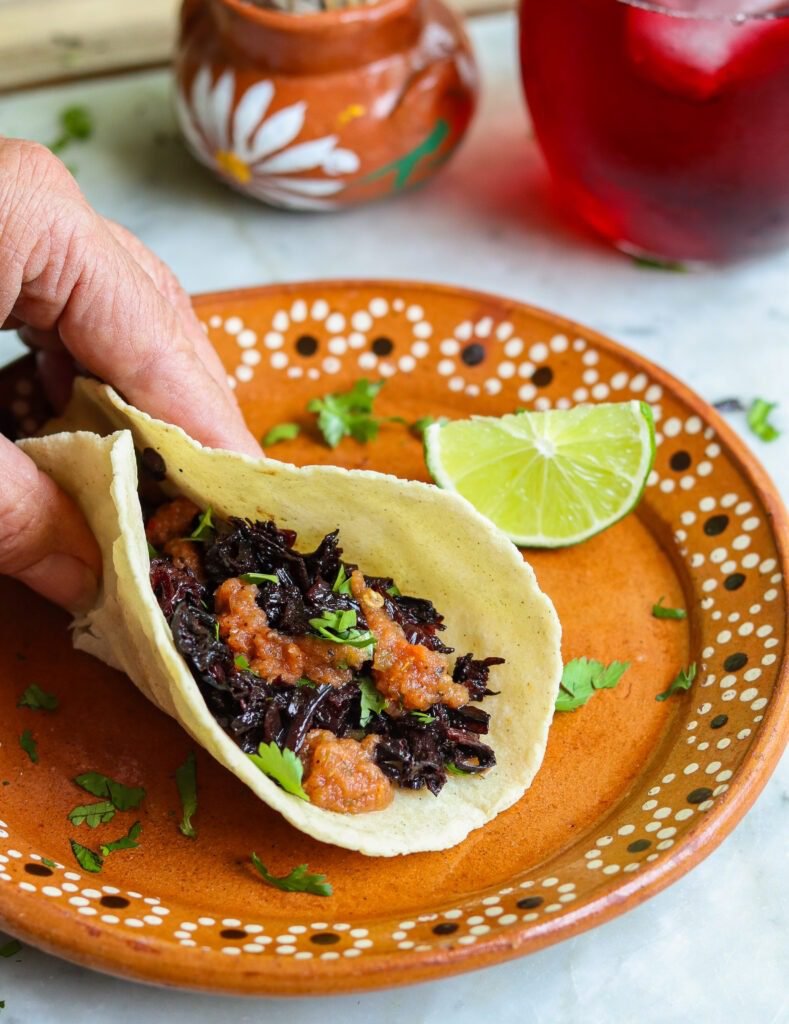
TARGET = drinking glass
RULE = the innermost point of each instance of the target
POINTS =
(665, 125)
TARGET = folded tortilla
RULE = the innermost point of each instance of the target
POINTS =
(433, 543)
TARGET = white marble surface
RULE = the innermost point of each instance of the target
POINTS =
(714, 946)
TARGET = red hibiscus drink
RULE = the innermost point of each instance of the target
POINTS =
(665, 126)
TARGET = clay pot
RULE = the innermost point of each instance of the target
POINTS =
(320, 111)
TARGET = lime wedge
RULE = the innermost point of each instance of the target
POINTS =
(547, 479)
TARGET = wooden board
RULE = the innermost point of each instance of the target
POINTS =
(49, 40)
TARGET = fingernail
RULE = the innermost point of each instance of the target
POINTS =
(63, 579)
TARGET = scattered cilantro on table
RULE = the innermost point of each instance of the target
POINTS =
(92, 815)
(123, 798)
(37, 699)
(186, 781)
(660, 611)
(283, 766)
(280, 432)
(348, 413)
(373, 702)
(298, 880)
(76, 125)
(29, 745)
(582, 677)
(757, 419)
(127, 842)
(681, 682)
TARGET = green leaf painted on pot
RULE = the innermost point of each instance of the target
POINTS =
(405, 168)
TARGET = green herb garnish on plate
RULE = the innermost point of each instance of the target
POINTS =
(283, 766)
(86, 858)
(681, 682)
(348, 414)
(37, 699)
(92, 815)
(280, 432)
(127, 842)
(186, 781)
(29, 745)
(122, 798)
(298, 880)
(582, 677)
(660, 611)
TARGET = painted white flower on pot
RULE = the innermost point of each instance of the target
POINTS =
(257, 152)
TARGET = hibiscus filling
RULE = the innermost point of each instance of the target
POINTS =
(305, 651)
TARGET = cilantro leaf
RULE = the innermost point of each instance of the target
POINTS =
(127, 842)
(298, 880)
(453, 769)
(758, 419)
(283, 766)
(123, 798)
(394, 590)
(582, 677)
(37, 699)
(342, 584)
(306, 682)
(241, 661)
(186, 781)
(87, 859)
(422, 717)
(29, 745)
(348, 414)
(76, 124)
(339, 628)
(11, 948)
(92, 814)
(280, 432)
(418, 427)
(259, 577)
(373, 702)
(152, 552)
(48, 863)
(204, 531)
(682, 681)
(660, 611)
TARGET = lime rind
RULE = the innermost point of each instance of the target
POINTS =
(600, 457)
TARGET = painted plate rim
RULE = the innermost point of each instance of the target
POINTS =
(286, 977)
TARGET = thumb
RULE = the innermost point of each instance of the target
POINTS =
(44, 539)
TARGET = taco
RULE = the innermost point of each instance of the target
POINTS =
(288, 618)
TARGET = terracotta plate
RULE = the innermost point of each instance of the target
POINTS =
(633, 792)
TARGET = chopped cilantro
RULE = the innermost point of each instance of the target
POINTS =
(339, 627)
(348, 414)
(422, 717)
(241, 661)
(204, 531)
(373, 702)
(281, 765)
(87, 859)
(453, 769)
(342, 584)
(92, 814)
(651, 263)
(37, 699)
(123, 798)
(281, 432)
(48, 863)
(216, 629)
(298, 880)
(306, 682)
(127, 842)
(186, 780)
(11, 948)
(29, 745)
(152, 552)
(259, 577)
(582, 677)
(418, 427)
(76, 125)
(660, 611)
(758, 419)
(394, 591)
(681, 682)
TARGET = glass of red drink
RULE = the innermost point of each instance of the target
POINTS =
(665, 125)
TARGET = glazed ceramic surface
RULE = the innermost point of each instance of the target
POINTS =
(319, 111)
(632, 792)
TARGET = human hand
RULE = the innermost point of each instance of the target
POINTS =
(81, 289)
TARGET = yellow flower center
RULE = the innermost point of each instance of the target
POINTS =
(233, 166)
